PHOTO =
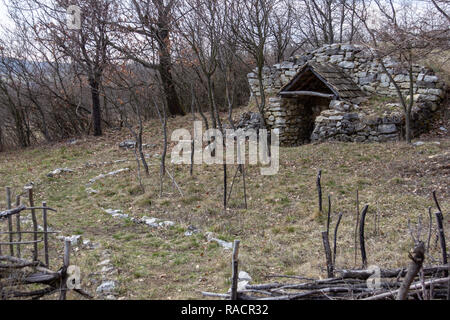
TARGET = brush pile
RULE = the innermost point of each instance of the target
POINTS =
(417, 281)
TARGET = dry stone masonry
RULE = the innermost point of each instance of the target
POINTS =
(319, 119)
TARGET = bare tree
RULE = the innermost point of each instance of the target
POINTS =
(398, 32)
(250, 23)
(146, 28)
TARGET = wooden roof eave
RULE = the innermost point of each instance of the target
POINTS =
(284, 90)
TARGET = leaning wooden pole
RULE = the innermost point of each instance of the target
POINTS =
(361, 236)
(326, 246)
(414, 267)
(235, 270)
(335, 237)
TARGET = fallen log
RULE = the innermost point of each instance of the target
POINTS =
(414, 286)
(385, 273)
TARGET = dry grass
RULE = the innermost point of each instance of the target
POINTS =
(279, 232)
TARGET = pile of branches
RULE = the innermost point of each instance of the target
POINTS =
(355, 285)
(16, 275)
(414, 282)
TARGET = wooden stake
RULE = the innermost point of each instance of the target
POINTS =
(44, 218)
(66, 262)
(335, 237)
(356, 225)
(326, 245)
(10, 225)
(319, 189)
(440, 224)
(361, 236)
(35, 228)
(235, 273)
(19, 231)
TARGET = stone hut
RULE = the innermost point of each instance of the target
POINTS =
(331, 94)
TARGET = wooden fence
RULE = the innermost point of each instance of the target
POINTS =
(25, 269)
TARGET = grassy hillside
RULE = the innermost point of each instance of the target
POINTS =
(279, 232)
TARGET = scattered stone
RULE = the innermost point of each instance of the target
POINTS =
(88, 244)
(112, 173)
(74, 240)
(244, 276)
(166, 224)
(127, 144)
(107, 269)
(130, 144)
(58, 171)
(104, 262)
(225, 244)
(106, 287)
(91, 191)
(155, 222)
(116, 213)
(191, 230)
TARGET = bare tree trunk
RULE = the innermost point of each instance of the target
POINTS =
(96, 112)
(165, 63)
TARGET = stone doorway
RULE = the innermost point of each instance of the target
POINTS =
(310, 108)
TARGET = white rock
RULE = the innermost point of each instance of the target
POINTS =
(104, 262)
(91, 191)
(74, 240)
(58, 171)
(107, 269)
(112, 173)
(225, 244)
(106, 287)
(244, 276)
(167, 223)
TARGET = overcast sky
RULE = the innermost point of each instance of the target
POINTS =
(4, 19)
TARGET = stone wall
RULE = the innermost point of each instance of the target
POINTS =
(346, 121)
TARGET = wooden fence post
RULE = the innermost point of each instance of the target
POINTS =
(235, 273)
(35, 228)
(10, 225)
(44, 218)
(66, 262)
(19, 233)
